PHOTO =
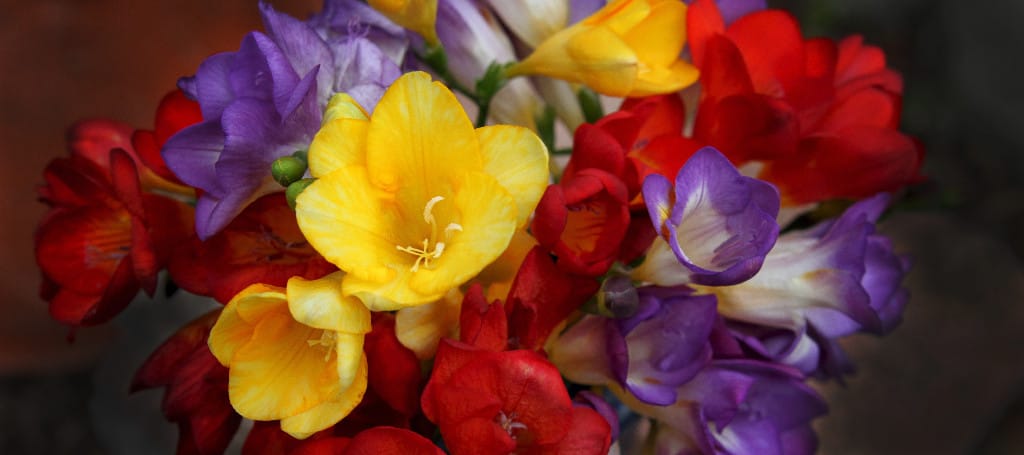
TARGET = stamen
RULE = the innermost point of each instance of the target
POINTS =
(425, 254)
(328, 340)
(508, 423)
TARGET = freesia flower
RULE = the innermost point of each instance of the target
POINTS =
(650, 354)
(719, 224)
(195, 388)
(532, 21)
(737, 407)
(412, 201)
(262, 245)
(373, 441)
(816, 118)
(103, 239)
(266, 101)
(628, 48)
(832, 280)
(294, 355)
(507, 402)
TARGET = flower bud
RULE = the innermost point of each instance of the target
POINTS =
(287, 169)
(295, 189)
(618, 297)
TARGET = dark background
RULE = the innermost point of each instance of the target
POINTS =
(949, 381)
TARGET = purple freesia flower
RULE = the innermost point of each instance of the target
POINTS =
(718, 223)
(738, 407)
(266, 101)
(833, 280)
(649, 354)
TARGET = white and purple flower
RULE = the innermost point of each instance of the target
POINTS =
(833, 280)
(718, 224)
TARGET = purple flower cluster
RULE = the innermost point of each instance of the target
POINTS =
(733, 318)
(266, 100)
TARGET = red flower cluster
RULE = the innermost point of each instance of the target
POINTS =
(594, 216)
(820, 118)
(104, 238)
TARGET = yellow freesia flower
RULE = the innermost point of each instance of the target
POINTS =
(416, 15)
(295, 354)
(412, 201)
(628, 48)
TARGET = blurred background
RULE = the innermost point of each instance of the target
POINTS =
(949, 381)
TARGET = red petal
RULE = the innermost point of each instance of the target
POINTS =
(482, 324)
(772, 47)
(588, 435)
(533, 405)
(597, 149)
(94, 139)
(542, 296)
(389, 440)
(703, 20)
(262, 245)
(266, 438)
(394, 371)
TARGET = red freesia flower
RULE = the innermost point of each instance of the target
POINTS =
(374, 441)
(103, 238)
(820, 118)
(196, 389)
(504, 402)
(262, 245)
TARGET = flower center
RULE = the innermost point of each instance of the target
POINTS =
(327, 342)
(425, 253)
(509, 424)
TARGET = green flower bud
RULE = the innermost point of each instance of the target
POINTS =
(287, 170)
(295, 189)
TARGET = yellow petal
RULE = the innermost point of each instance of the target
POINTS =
(342, 105)
(416, 15)
(658, 38)
(604, 61)
(278, 374)
(345, 220)
(304, 424)
(387, 295)
(653, 81)
(518, 159)
(420, 138)
(348, 350)
(488, 220)
(420, 328)
(340, 143)
(320, 304)
(232, 331)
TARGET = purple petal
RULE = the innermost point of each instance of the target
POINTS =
(365, 72)
(719, 227)
(192, 154)
(657, 192)
(300, 44)
(212, 86)
(669, 348)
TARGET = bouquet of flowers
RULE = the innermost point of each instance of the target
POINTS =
(426, 235)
